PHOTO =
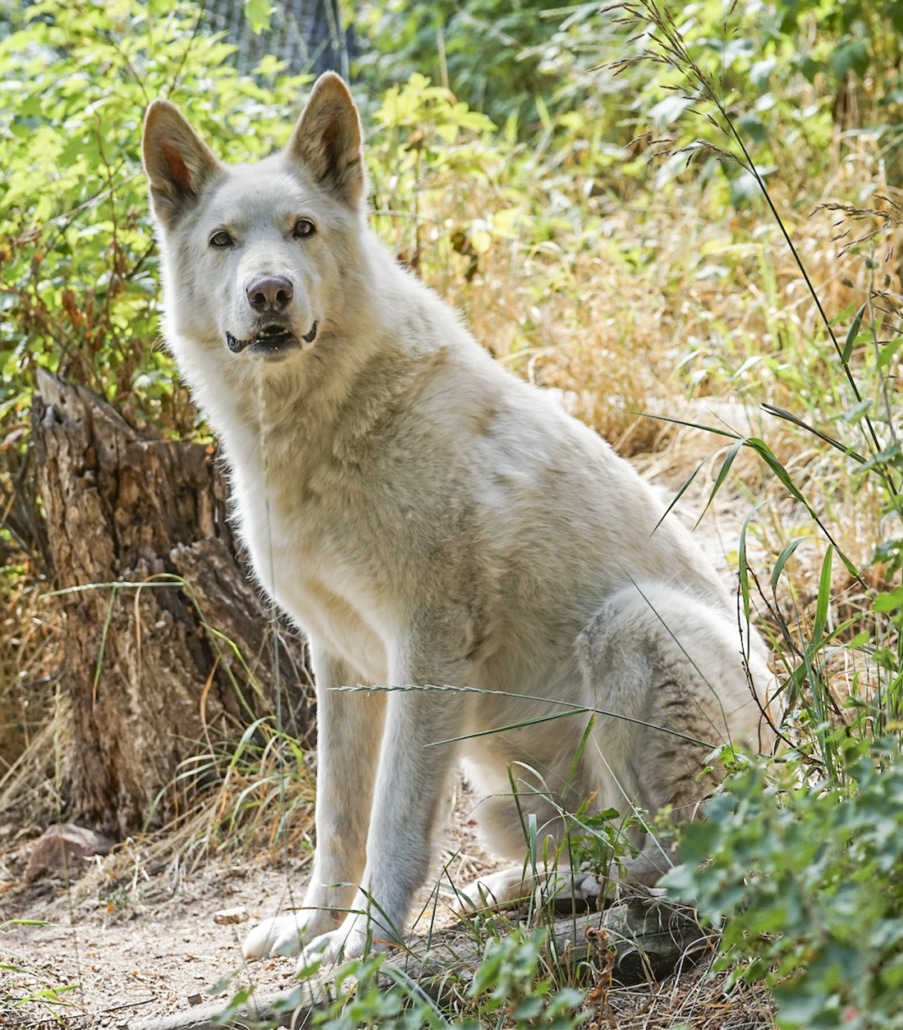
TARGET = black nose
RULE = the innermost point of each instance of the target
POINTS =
(272, 293)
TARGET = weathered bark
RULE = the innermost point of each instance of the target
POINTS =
(638, 939)
(168, 647)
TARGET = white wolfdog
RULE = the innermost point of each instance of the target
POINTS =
(431, 521)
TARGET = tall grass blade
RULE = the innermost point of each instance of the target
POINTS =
(788, 416)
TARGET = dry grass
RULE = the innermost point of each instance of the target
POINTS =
(32, 725)
(695, 997)
(29, 656)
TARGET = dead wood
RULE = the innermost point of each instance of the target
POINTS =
(169, 650)
(639, 938)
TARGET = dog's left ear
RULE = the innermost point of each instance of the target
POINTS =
(327, 139)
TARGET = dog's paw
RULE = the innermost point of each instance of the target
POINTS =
(349, 941)
(281, 935)
(564, 889)
(494, 891)
(587, 888)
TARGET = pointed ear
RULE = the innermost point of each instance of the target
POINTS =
(176, 160)
(327, 139)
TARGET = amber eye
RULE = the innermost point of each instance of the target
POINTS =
(303, 227)
(221, 239)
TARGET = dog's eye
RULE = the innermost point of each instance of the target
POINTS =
(221, 239)
(303, 227)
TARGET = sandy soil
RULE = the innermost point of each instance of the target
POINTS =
(149, 953)
(127, 942)
(121, 954)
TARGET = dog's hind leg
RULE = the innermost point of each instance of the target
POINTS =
(666, 675)
(671, 680)
(534, 819)
(562, 887)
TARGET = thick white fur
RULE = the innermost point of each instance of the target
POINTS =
(429, 520)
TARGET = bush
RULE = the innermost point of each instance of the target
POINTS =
(78, 263)
(803, 876)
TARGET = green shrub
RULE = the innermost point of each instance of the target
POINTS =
(78, 262)
(803, 876)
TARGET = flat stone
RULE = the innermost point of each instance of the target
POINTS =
(61, 850)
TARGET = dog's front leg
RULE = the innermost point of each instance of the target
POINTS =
(349, 728)
(408, 801)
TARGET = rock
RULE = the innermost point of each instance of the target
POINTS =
(61, 851)
(231, 915)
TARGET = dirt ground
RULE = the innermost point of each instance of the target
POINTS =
(150, 953)
(109, 953)
(127, 942)
(164, 945)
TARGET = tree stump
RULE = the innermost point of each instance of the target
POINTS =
(168, 646)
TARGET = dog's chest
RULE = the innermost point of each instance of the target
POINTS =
(319, 560)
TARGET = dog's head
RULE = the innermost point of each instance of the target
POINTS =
(254, 255)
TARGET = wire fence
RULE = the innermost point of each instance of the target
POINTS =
(306, 34)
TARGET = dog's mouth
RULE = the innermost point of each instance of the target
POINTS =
(271, 341)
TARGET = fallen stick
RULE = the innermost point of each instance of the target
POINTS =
(646, 936)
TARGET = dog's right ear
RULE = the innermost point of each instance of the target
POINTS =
(176, 160)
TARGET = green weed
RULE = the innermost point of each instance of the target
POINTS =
(25, 991)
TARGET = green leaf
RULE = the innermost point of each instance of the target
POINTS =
(782, 560)
(824, 597)
(888, 350)
(752, 126)
(258, 13)
(850, 56)
(528, 1009)
(856, 412)
(890, 601)
(799, 1009)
